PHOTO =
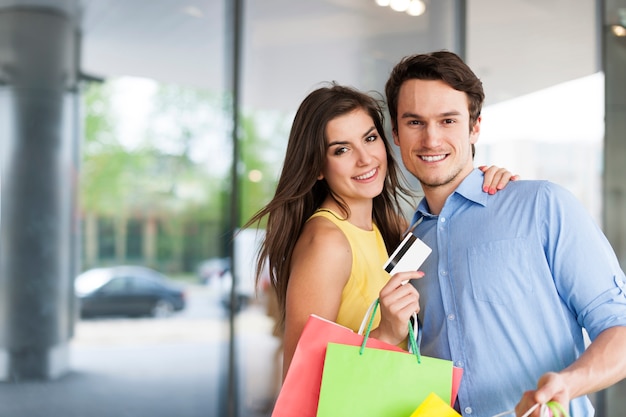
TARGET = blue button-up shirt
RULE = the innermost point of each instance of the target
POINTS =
(512, 280)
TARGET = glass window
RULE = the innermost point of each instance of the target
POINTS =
(141, 284)
(291, 48)
(544, 110)
(106, 238)
(115, 285)
(158, 144)
(134, 239)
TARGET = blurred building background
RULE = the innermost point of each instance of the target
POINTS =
(118, 122)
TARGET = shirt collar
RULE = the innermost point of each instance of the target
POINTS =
(471, 188)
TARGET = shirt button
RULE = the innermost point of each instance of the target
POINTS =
(450, 316)
(468, 410)
(459, 364)
(442, 219)
(444, 272)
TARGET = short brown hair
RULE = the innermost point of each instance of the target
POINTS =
(441, 65)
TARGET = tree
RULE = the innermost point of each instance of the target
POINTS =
(261, 158)
(177, 175)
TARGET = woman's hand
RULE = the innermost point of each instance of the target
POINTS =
(496, 178)
(398, 301)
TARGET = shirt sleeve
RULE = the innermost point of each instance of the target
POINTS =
(585, 268)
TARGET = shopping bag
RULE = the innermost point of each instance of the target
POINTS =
(379, 382)
(369, 382)
(434, 406)
(299, 393)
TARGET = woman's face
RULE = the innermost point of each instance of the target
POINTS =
(356, 159)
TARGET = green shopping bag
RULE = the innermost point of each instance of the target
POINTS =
(370, 382)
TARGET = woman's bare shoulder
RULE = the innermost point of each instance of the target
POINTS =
(323, 245)
(322, 234)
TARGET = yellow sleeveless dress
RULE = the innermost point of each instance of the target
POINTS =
(367, 277)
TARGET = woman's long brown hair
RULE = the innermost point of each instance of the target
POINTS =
(299, 193)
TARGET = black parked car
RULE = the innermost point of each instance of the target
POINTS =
(127, 291)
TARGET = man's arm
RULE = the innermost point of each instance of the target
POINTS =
(601, 365)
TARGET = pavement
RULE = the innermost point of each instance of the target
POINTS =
(176, 367)
(172, 367)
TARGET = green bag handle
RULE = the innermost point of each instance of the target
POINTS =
(556, 409)
(412, 340)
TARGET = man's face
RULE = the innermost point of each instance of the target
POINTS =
(433, 133)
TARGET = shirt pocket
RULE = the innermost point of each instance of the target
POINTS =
(500, 271)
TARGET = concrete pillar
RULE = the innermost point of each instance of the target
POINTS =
(38, 171)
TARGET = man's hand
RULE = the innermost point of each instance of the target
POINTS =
(551, 387)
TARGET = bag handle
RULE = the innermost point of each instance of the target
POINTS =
(368, 315)
(417, 326)
(413, 342)
(549, 409)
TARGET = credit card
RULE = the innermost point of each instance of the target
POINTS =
(408, 256)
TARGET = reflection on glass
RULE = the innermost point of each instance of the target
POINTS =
(156, 164)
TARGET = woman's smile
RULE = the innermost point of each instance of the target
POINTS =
(367, 175)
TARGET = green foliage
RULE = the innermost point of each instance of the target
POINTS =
(103, 158)
(178, 172)
(261, 157)
(98, 121)
(160, 176)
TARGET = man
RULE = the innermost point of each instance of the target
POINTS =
(514, 277)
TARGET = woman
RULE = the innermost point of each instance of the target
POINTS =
(335, 217)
